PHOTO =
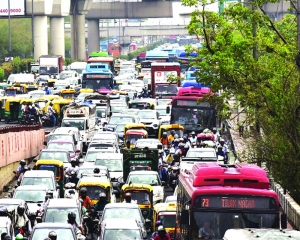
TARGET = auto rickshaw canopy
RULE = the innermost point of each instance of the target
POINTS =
(168, 128)
(136, 126)
(86, 90)
(52, 165)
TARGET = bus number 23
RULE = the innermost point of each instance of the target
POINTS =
(205, 202)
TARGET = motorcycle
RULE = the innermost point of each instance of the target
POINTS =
(28, 119)
(47, 121)
(174, 177)
(91, 226)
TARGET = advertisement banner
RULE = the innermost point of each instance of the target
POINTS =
(162, 76)
(17, 7)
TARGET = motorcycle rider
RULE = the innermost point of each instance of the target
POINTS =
(20, 168)
(47, 197)
(163, 174)
(175, 144)
(216, 135)
(100, 205)
(162, 234)
(85, 198)
(21, 219)
(224, 148)
(161, 157)
(32, 112)
(221, 153)
(51, 113)
(169, 157)
(52, 235)
(157, 225)
(74, 179)
(164, 140)
(74, 223)
(135, 96)
(144, 93)
(25, 169)
(176, 159)
(71, 168)
(193, 139)
(47, 90)
(171, 136)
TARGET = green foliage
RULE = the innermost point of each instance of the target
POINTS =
(68, 61)
(267, 82)
(2, 74)
(16, 65)
(122, 57)
(135, 53)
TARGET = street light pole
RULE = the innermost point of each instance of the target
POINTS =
(9, 32)
(32, 27)
(107, 38)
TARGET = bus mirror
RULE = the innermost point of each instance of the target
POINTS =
(185, 217)
(283, 221)
(168, 109)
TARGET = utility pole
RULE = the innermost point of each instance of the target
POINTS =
(107, 38)
(32, 27)
(9, 32)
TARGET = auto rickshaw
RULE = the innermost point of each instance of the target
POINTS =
(142, 104)
(2, 107)
(168, 128)
(12, 110)
(57, 106)
(41, 102)
(68, 94)
(11, 91)
(136, 126)
(166, 213)
(133, 135)
(57, 167)
(51, 82)
(95, 185)
(143, 195)
(4, 85)
(86, 90)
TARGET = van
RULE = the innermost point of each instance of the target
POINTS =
(21, 78)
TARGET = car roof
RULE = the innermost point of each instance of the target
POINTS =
(148, 140)
(53, 225)
(202, 150)
(60, 141)
(119, 223)
(32, 187)
(110, 156)
(55, 150)
(39, 173)
(122, 115)
(121, 205)
(62, 203)
(143, 173)
(74, 129)
(11, 201)
(92, 179)
(88, 165)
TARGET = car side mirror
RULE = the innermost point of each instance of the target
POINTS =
(168, 109)
(45, 143)
(163, 183)
(54, 88)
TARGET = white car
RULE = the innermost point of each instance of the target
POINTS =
(163, 115)
(151, 178)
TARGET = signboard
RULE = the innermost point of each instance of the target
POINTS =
(192, 103)
(97, 76)
(235, 202)
(17, 7)
(162, 77)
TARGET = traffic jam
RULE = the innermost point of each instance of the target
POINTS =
(130, 155)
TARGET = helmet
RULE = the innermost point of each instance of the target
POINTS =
(52, 235)
(222, 140)
(22, 162)
(165, 134)
(172, 151)
(158, 223)
(181, 145)
(51, 103)
(176, 136)
(96, 170)
(160, 229)
(180, 139)
(176, 141)
(83, 190)
(19, 237)
(193, 133)
(102, 195)
(21, 209)
(173, 132)
(71, 215)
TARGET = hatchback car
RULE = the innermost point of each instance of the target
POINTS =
(88, 168)
(150, 143)
(65, 145)
(55, 154)
(64, 231)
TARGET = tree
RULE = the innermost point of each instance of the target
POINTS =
(249, 56)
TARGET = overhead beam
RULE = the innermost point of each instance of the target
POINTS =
(122, 10)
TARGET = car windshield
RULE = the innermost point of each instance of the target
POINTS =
(62, 233)
(104, 137)
(201, 154)
(147, 143)
(60, 214)
(120, 128)
(163, 112)
(123, 234)
(101, 145)
(65, 137)
(126, 213)
(119, 119)
(60, 87)
(168, 221)
(61, 156)
(141, 197)
(91, 156)
(130, 111)
(83, 171)
(94, 191)
(147, 114)
(100, 112)
(63, 76)
(151, 179)
(63, 146)
(30, 196)
(10, 207)
(81, 96)
(113, 165)
(37, 95)
(47, 182)
(163, 101)
(228, 220)
(117, 109)
(73, 123)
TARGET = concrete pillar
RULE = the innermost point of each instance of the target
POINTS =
(57, 36)
(40, 36)
(78, 37)
(93, 36)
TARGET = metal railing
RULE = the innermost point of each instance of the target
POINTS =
(19, 128)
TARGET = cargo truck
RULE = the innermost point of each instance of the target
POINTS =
(50, 65)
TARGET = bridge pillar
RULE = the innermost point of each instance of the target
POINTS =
(40, 36)
(79, 9)
(93, 35)
(57, 36)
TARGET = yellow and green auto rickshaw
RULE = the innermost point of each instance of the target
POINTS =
(2, 107)
(68, 94)
(42, 102)
(51, 82)
(11, 91)
(55, 166)
(166, 213)
(168, 128)
(12, 110)
(136, 126)
(132, 135)
(95, 185)
(143, 195)
(142, 104)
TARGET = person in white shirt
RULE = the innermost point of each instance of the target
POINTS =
(127, 198)
(21, 219)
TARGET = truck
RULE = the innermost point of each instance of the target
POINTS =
(160, 72)
(139, 160)
(50, 65)
(83, 116)
(79, 67)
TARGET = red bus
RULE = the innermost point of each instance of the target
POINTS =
(115, 49)
(191, 112)
(222, 197)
